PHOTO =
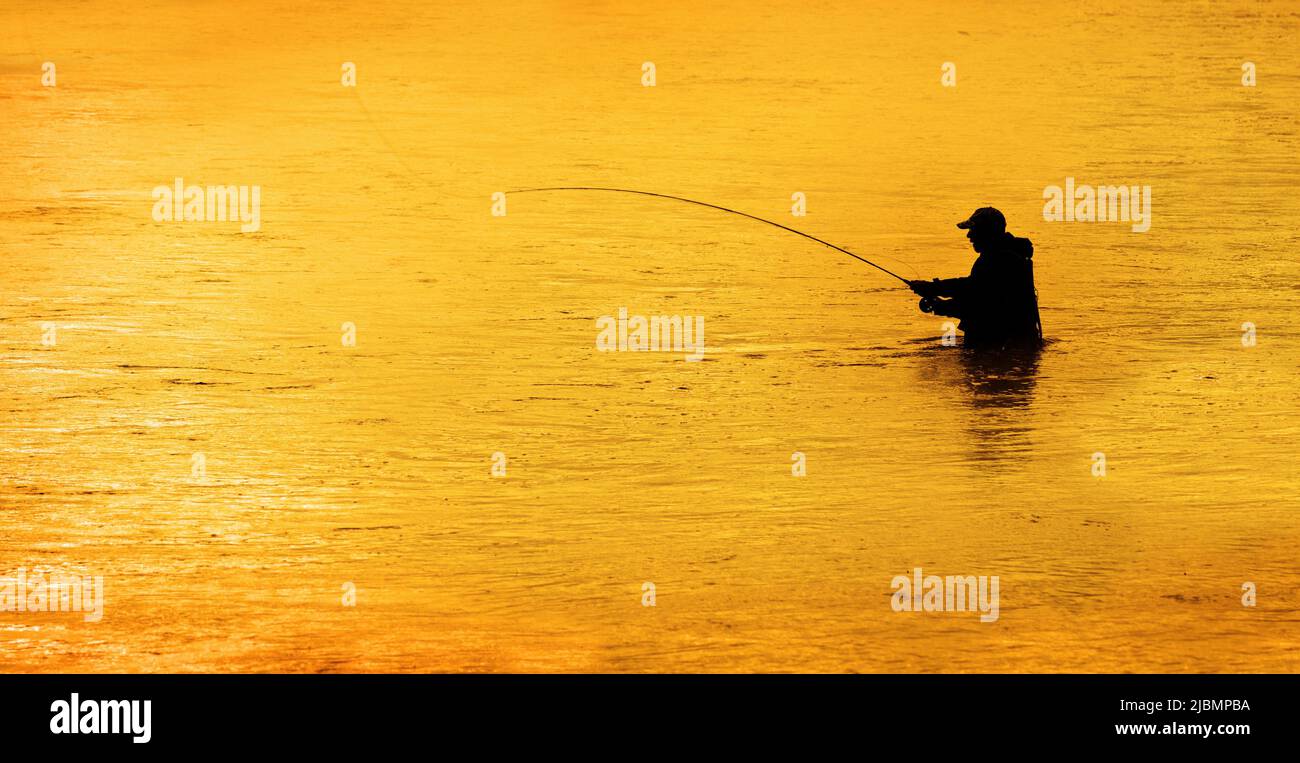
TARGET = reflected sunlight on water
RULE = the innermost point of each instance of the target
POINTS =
(328, 465)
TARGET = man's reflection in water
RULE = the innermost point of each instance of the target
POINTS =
(998, 388)
(1000, 379)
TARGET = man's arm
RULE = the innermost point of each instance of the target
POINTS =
(940, 287)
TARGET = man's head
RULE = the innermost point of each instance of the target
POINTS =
(984, 226)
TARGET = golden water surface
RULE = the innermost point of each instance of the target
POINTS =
(329, 465)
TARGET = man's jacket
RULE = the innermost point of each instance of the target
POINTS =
(997, 303)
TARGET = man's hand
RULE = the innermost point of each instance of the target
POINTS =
(923, 288)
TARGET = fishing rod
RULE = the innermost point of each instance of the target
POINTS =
(724, 209)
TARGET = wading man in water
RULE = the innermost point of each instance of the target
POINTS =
(997, 303)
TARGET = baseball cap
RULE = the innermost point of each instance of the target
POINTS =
(985, 218)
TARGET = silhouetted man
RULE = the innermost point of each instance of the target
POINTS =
(997, 303)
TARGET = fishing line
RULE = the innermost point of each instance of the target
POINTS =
(721, 208)
(374, 125)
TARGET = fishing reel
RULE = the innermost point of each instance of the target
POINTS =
(927, 304)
